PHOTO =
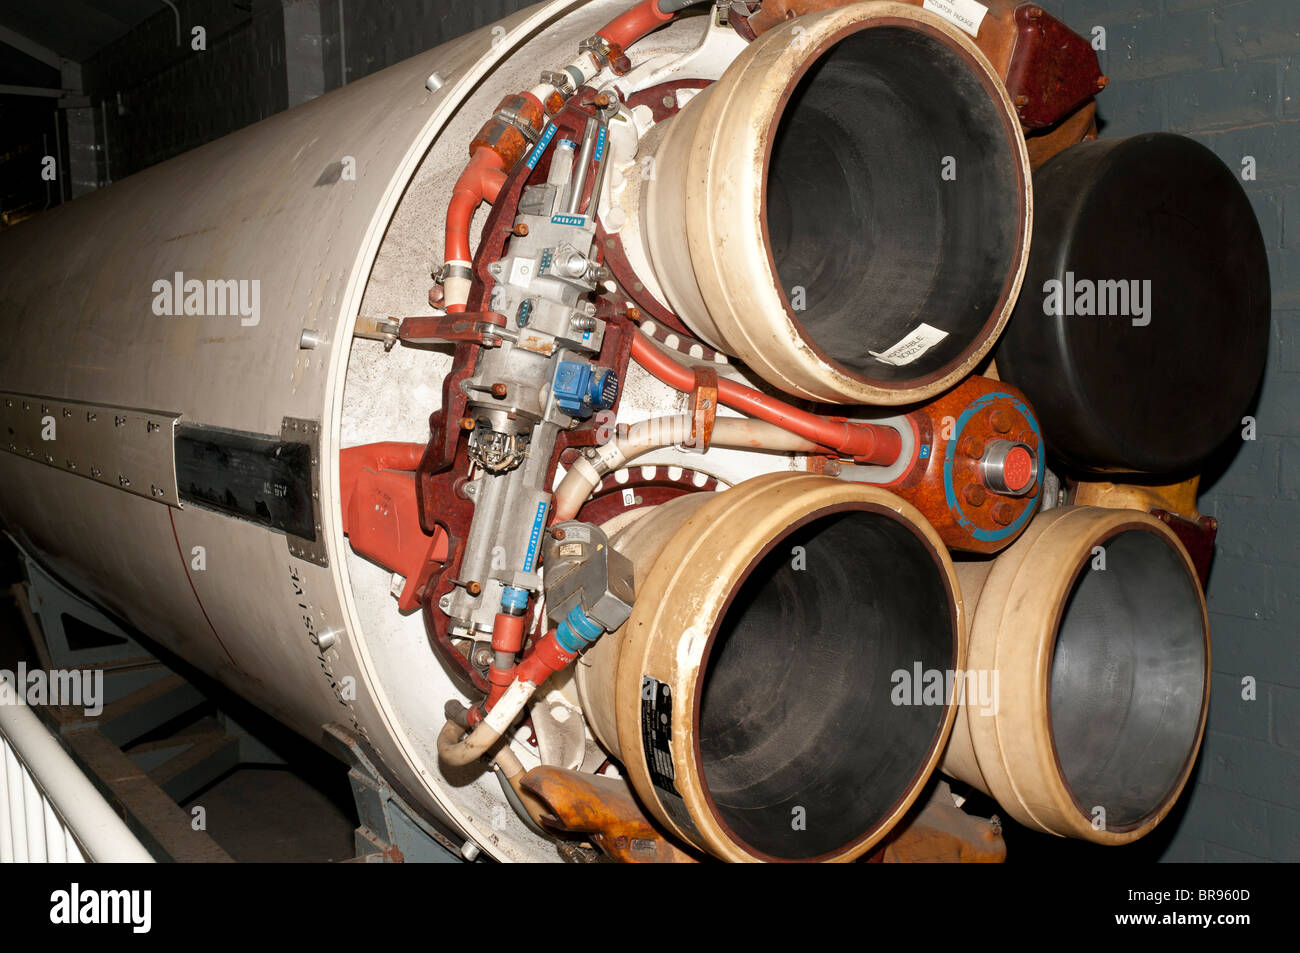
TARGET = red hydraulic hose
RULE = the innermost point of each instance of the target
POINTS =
(866, 443)
(629, 27)
(507, 638)
(481, 180)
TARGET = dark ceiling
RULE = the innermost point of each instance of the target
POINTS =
(37, 32)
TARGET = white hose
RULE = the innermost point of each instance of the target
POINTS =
(658, 432)
(455, 751)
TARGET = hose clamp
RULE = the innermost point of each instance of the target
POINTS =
(511, 117)
(562, 80)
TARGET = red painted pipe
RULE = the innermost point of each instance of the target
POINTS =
(866, 443)
(508, 637)
(626, 29)
(481, 180)
(545, 658)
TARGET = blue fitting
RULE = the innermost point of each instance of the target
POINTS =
(577, 631)
(514, 601)
(582, 389)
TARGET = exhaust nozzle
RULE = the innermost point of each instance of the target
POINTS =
(847, 209)
(1095, 624)
(750, 696)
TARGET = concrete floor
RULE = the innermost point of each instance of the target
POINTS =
(268, 814)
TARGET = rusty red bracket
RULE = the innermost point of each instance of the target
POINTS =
(477, 328)
(1053, 70)
(381, 515)
(1197, 538)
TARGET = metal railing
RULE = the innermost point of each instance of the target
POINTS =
(49, 810)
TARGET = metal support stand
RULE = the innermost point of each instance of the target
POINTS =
(144, 780)
(392, 830)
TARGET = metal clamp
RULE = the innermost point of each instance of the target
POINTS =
(704, 409)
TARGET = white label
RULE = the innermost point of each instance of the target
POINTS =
(967, 14)
(629, 497)
(921, 339)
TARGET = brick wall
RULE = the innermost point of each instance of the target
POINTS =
(1227, 73)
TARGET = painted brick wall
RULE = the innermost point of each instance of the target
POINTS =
(1227, 73)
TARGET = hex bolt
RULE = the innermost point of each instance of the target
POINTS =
(1001, 420)
(483, 657)
(1034, 13)
(973, 447)
(1003, 513)
(473, 588)
(831, 467)
(467, 423)
(1028, 438)
(975, 495)
(308, 339)
(558, 533)
(520, 230)
(499, 391)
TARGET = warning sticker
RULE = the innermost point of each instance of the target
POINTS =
(967, 14)
(918, 341)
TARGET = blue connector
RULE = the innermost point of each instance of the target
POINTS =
(577, 631)
(514, 601)
(582, 389)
